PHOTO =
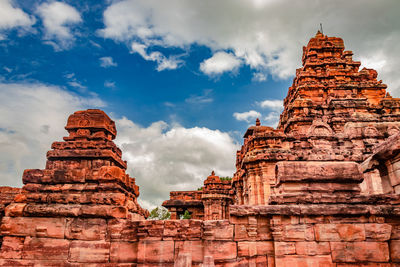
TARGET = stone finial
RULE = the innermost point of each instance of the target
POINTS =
(258, 123)
(319, 34)
(212, 178)
(91, 123)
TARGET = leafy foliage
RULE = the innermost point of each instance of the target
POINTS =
(159, 213)
(227, 178)
(186, 215)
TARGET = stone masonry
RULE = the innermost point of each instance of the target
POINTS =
(323, 189)
(211, 202)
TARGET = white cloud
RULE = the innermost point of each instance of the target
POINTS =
(9, 70)
(273, 104)
(259, 77)
(266, 35)
(163, 63)
(70, 75)
(272, 119)
(73, 82)
(58, 19)
(107, 62)
(247, 116)
(200, 99)
(77, 85)
(219, 63)
(165, 158)
(11, 16)
(109, 84)
(169, 104)
(29, 123)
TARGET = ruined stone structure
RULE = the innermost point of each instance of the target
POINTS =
(320, 190)
(211, 202)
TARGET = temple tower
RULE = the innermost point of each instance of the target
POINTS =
(333, 112)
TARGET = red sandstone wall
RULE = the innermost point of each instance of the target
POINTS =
(250, 238)
(7, 195)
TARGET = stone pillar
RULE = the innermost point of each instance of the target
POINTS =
(173, 213)
(260, 186)
(239, 194)
(245, 192)
(252, 187)
(257, 187)
(267, 176)
(393, 173)
(372, 183)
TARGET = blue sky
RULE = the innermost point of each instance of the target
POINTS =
(131, 85)
(182, 79)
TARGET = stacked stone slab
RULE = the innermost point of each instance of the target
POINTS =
(62, 212)
(211, 202)
(181, 201)
(7, 195)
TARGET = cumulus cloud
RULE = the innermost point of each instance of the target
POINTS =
(163, 63)
(275, 107)
(219, 63)
(165, 157)
(29, 123)
(58, 19)
(247, 116)
(12, 17)
(266, 35)
(271, 119)
(107, 62)
(273, 104)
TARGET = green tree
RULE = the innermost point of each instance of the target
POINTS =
(159, 213)
(186, 215)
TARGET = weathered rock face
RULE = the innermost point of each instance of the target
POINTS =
(320, 190)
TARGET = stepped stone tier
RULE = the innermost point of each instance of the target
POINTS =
(322, 189)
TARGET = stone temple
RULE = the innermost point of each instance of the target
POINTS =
(322, 189)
